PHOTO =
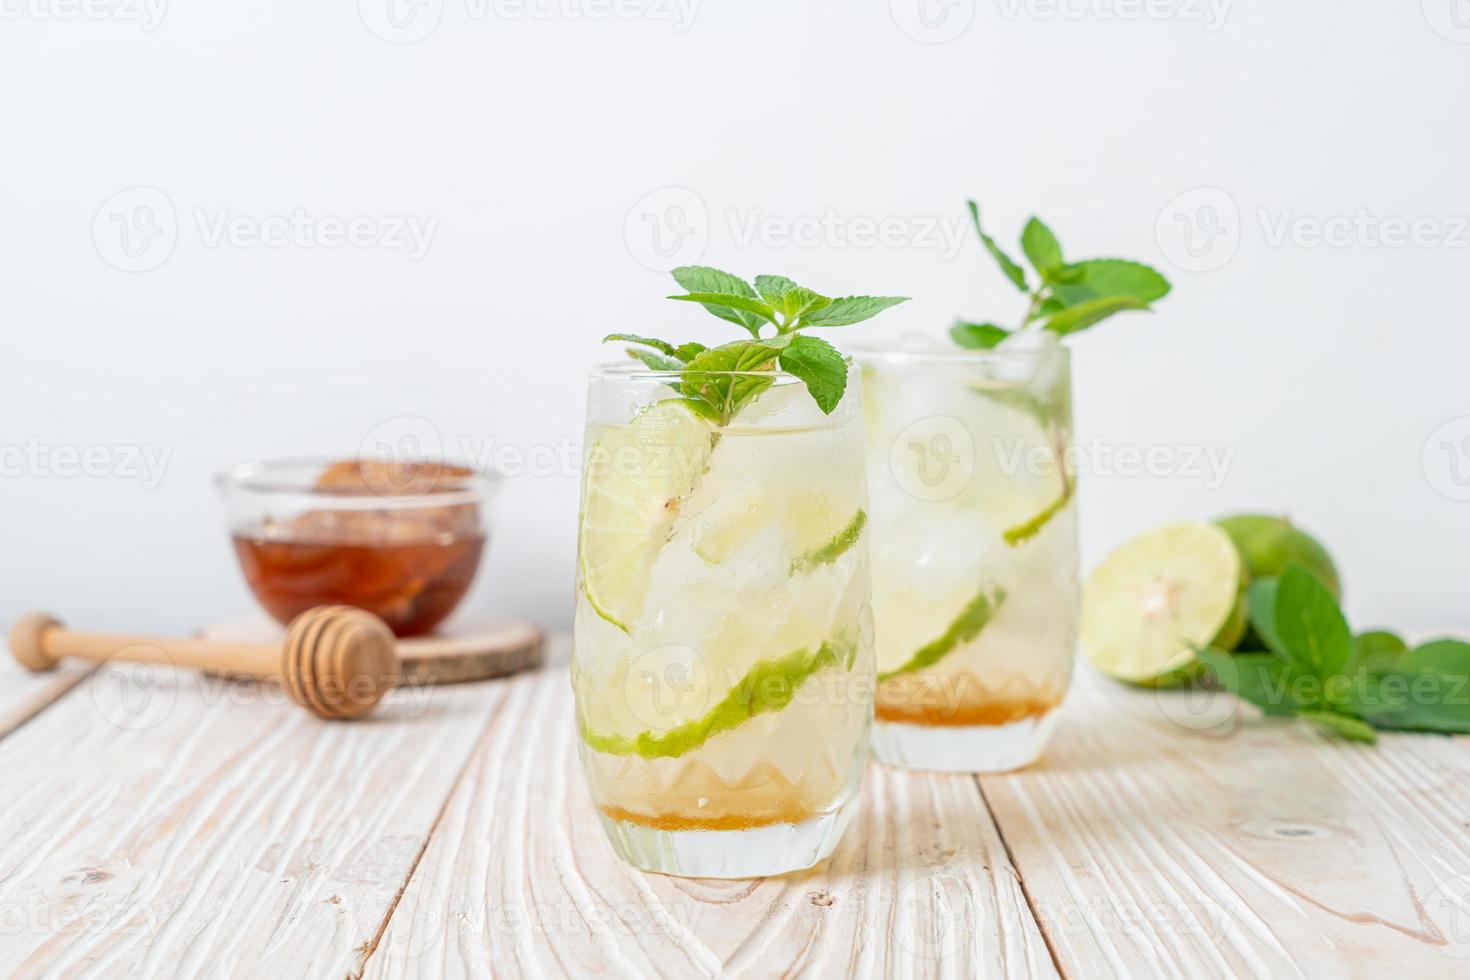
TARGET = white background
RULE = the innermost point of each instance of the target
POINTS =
(531, 134)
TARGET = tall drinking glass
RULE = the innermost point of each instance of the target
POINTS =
(723, 659)
(974, 551)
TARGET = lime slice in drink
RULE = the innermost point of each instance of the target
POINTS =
(816, 527)
(1159, 595)
(638, 476)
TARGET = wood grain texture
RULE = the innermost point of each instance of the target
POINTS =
(1175, 835)
(23, 693)
(162, 823)
(519, 881)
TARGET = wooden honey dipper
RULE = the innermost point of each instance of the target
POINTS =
(336, 661)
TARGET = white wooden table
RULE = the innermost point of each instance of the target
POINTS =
(154, 824)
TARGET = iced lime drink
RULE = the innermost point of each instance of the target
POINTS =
(723, 663)
(974, 551)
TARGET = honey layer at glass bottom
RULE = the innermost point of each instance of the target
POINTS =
(950, 700)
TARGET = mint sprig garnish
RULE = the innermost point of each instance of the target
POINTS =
(717, 382)
(1066, 296)
(1345, 685)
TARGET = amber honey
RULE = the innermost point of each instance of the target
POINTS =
(412, 586)
(399, 540)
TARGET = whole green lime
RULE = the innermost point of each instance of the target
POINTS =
(1267, 544)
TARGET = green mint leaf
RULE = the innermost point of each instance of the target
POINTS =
(1094, 278)
(1414, 701)
(1264, 680)
(718, 394)
(1048, 306)
(1309, 623)
(703, 279)
(789, 299)
(656, 361)
(833, 549)
(819, 366)
(1091, 312)
(848, 310)
(977, 336)
(1341, 726)
(1446, 658)
(1041, 248)
(966, 626)
(1260, 604)
(662, 346)
(1012, 271)
(687, 352)
(729, 301)
(1378, 649)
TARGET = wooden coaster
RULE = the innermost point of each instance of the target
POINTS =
(475, 650)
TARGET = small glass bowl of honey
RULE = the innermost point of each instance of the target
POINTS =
(401, 539)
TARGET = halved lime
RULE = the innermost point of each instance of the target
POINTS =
(638, 475)
(1159, 595)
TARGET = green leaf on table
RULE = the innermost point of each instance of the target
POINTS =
(977, 336)
(819, 366)
(1260, 604)
(1414, 701)
(1012, 271)
(703, 279)
(1263, 679)
(1041, 247)
(1342, 726)
(687, 352)
(1091, 312)
(787, 298)
(850, 309)
(1378, 649)
(1309, 623)
(1446, 658)
(1095, 278)
(662, 346)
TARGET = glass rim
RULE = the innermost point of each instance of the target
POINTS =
(957, 355)
(634, 371)
(265, 476)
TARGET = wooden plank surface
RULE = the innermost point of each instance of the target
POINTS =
(519, 881)
(23, 693)
(164, 824)
(1174, 835)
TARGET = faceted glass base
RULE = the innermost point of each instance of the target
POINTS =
(753, 853)
(968, 748)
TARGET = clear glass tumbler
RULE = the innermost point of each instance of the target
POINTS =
(723, 658)
(974, 551)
